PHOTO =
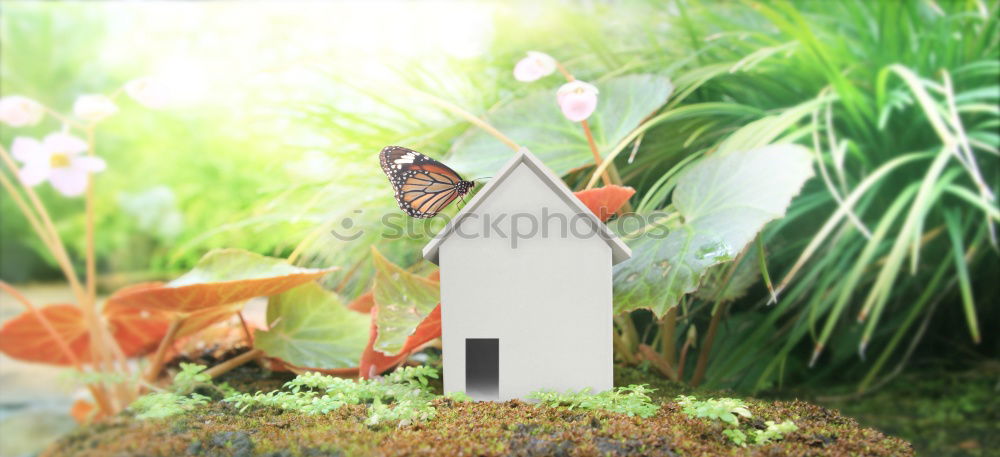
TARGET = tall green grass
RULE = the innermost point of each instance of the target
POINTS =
(899, 102)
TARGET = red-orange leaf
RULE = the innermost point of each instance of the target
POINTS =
(25, 337)
(364, 303)
(138, 331)
(374, 362)
(605, 201)
(222, 277)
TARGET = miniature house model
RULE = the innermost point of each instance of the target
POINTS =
(526, 275)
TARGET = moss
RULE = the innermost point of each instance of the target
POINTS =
(511, 428)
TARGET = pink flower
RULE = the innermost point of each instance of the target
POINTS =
(577, 99)
(57, 159)
(150, 91)
(93, 108)
(18, 111)
(535, 66)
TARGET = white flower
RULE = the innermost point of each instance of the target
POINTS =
(150, 91)
(577, 100)
(536, 65)
(58, 159)
(18, 111)
(95, 107)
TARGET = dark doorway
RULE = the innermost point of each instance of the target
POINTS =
(482, 368)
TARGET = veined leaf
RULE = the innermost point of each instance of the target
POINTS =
(374, 362)
(310, 327)
(724, 200)
(536, 123)
(25, 337)
(715, 287)
(222, 277)
(403, 300)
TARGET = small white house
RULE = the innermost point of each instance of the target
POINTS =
(526, 288)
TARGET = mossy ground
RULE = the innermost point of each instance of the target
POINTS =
(512, 428)
(943, 412)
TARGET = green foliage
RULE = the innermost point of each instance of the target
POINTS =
(404, 299)
(190, 377)
(722, 409)
(401, 396)
(728, 411)
(723, 201)
(181, 397)
(165, 404)
(458, 396)
(900, 142)
(631, 400)
(536, 122)
(774, 432)
(736, 436)
(312, 328)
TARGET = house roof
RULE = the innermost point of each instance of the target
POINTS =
(619, 251)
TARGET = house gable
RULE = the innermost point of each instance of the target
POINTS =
(524, 158)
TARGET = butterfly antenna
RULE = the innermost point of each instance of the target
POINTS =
(480, 179)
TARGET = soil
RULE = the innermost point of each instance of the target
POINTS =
(512, 428)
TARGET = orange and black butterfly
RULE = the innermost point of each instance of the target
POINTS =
(423, 185)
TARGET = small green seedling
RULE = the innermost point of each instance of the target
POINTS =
(723, 409)
(774, 432)
(401, 396)
(632, 400)
(728, 411)
(181, 396)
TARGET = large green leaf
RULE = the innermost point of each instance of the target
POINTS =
(536, 122)
(403, 299)
(724, 201)
(312, 328)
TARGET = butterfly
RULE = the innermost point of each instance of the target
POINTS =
(423, 185)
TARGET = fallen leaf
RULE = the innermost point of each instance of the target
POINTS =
(605, 201)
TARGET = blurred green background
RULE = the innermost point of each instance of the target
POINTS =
(281, 109)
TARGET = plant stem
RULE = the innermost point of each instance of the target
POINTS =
(234, 362)
(99, 341)
(683, 360)
(25, 209)
(717, 312)
(668, 329)
(246, 329)
(156, 364)
(706, 345)
(593, 149)
(54, 244)
(659, 362)
(630, 334)
(621, 348)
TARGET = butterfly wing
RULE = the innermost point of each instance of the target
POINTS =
(423, 186)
